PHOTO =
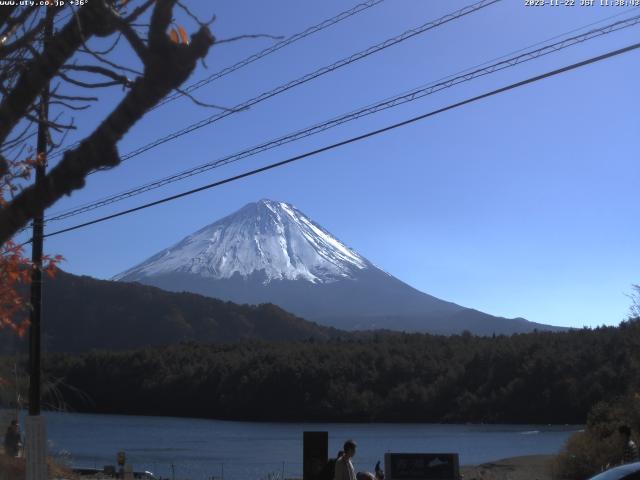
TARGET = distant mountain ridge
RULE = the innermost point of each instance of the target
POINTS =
(269, 251)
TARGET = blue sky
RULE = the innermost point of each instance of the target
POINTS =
(524, 204)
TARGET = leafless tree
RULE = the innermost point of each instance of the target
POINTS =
(635, 302)
(70, 62)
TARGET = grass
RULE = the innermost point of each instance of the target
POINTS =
(14, 469)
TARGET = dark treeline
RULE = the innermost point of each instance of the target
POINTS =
(540, 377)
(83, 313)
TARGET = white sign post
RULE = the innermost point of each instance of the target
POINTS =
(36, 447)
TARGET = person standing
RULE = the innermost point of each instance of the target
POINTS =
(344, 467)
(630, 451)
(12, 439)
(329, 470)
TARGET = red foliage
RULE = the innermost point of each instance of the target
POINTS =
(15, 268)
(13, 272)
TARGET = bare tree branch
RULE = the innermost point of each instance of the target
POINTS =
(99, 71)
(101, 59)
(74, 98)
(24, 39)
(91, 19)
(203, 104)
(107, 51)
(194, 17)
(5, 14)
(20, 152)
(20, 137)
(134, 40)
(138, 11)
(68, 105)
(58, 127)
(13, 23)
(55, 145)
(168, 66)
(4, 165)
(80, 83)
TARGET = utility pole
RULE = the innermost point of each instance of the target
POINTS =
(36, 438)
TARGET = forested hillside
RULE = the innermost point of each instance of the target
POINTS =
(82, 313)
(539, 377)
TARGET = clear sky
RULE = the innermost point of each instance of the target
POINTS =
(524, 204)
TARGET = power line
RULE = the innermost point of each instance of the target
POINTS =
(406, 97)
(355, 139)
(361, 7)
(311, 76)
(274, 48)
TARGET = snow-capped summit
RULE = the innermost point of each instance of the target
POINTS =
(270, 252)
(269, 238)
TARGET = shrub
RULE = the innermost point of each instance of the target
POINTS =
(586, 454)
(599, 446)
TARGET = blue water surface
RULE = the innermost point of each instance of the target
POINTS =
(196, 449)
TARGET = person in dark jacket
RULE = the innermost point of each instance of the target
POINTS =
(329, 470)
(12, 439)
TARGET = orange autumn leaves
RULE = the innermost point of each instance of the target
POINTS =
(12, 301)
(178, 35)
(15, 268)
(15, 276)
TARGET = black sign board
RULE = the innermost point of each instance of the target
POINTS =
(315, 452)
(421, 466)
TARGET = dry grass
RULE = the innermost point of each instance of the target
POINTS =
(14, 469)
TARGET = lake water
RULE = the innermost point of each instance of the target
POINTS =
(195, 449)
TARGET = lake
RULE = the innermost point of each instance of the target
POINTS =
(196, 449)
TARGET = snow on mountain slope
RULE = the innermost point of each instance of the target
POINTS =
(272, 238)
(270, 252)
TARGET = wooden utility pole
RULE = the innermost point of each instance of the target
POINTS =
(36, 439)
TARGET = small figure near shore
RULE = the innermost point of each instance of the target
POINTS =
(344, 467)
(630, 452)
(12, 439)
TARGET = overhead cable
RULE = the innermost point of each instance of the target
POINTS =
(395, 101)
(351, 140)
(308, 77)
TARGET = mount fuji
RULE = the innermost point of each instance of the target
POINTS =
(270, 252)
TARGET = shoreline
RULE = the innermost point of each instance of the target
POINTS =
(527, 467)
(534, 426)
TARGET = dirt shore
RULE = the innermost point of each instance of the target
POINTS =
(531, 467)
